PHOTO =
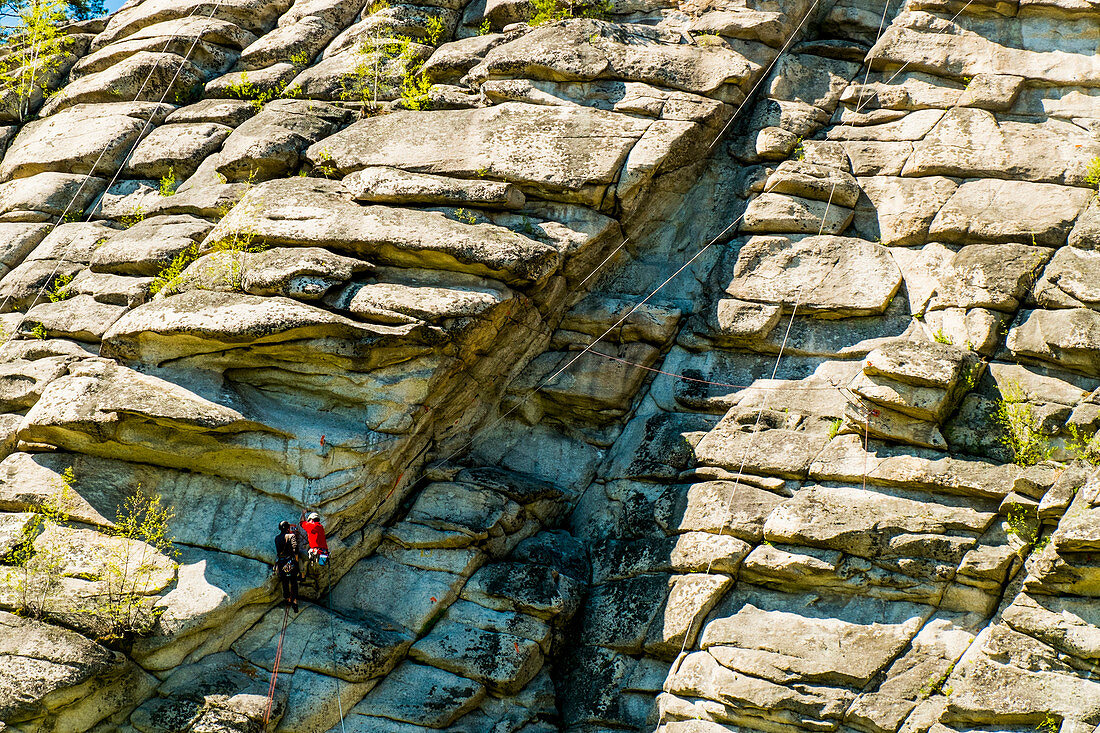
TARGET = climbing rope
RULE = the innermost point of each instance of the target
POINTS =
(686, 378)
(905, 65)
(332, 639)
(756, 425)
(275, 667)
(99, 159)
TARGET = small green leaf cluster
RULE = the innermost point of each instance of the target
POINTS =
(136, 216)
(258, 96)
(59, 289)
(168, 183)
(465, 215)
(33, 572)
(548, 11)
(1083, 447)
(1020, 428)
(936, 684)
(1092, 173)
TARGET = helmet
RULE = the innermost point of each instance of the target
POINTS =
(314, 517)
(284, 526)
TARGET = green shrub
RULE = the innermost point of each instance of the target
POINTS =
(548, 11)
(36, 49)
(1020, 428)
(174, 269)
(1092, 173)
(435, 30)
(258, 96)
(136, 216)
(241, 239)
(1018, 524)
(1083, 447)
(126, 608)
(942, 338)
(368, 80)
(168, 183)
(59, 288)
(1050, 724)
(34, 573)
(465, 215)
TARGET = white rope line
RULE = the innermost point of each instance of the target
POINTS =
(755, 428)
(58, 260)
(906, 64)
(721, 133)
(878, 37)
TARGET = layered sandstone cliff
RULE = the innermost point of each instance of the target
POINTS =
(644, 368)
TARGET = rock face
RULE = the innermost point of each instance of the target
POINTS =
(689, 368)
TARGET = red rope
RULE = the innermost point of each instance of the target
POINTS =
(275, 668)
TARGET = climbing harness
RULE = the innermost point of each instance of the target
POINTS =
(275, 667)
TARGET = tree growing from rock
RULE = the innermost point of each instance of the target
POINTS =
(32, 47)
(142, 530)
(33, 576)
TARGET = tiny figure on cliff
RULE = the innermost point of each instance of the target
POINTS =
(317, 554)
(286, 562)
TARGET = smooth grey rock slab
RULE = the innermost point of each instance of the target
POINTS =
(719, 507)
(321, 641)
(228, 112)
(149, 246)
(992, 210)
(45, 195)
(593, 49)
(828, 276)
(1067, 338)
(900, 210)
(379, 589)
(537, 590)
(813, 181)
(309, 212)
(81, 318)
(106, 130)
(875, 524)
(574, 149)
(768, 634)
(395, 186)
(421, 695)
(1070, 280)
(176, 149)
(993, 276)
(778, 213)
(502, 662)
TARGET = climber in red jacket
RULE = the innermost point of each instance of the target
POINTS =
(317, 554)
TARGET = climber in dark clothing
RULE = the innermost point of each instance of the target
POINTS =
(286, 563)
